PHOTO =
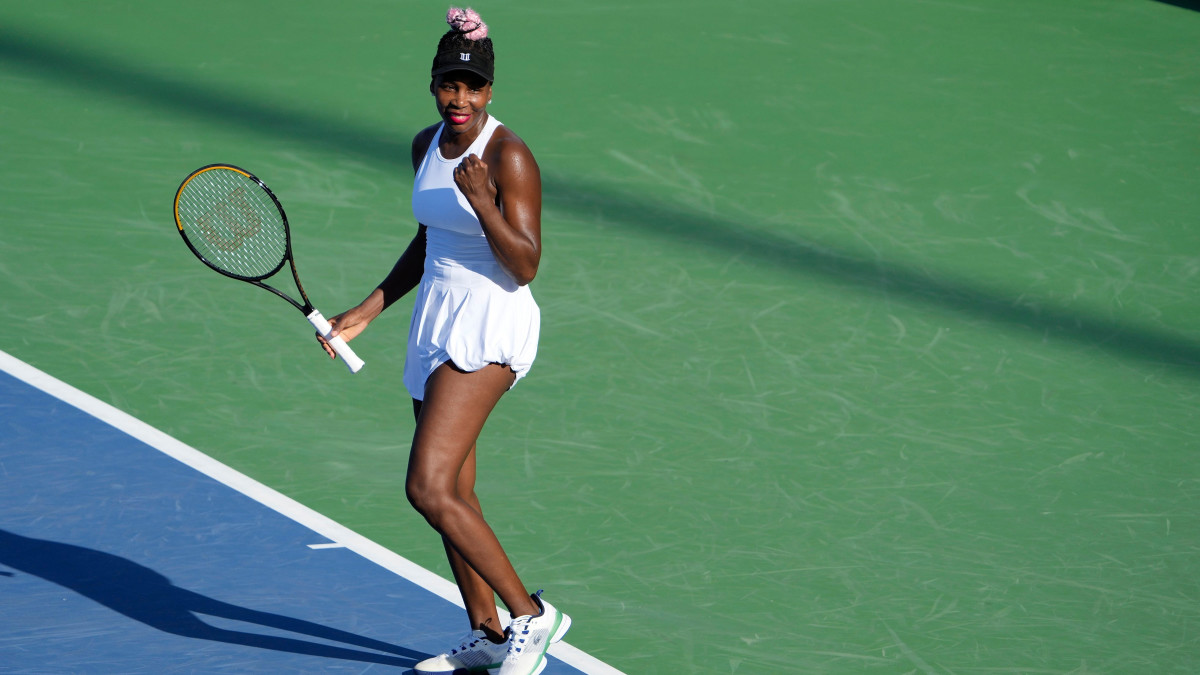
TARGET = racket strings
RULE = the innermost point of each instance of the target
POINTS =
(233, 223)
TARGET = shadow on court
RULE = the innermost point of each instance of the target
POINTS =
(1193, 5)
(646, 216)
(144, 595)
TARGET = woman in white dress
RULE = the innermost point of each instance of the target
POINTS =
(474, 333)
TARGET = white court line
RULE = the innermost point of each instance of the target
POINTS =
(335, 532)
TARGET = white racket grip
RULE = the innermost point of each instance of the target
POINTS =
(339, 345)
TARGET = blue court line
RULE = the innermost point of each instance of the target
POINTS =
(124, 550)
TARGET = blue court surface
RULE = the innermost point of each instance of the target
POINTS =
(124, 551)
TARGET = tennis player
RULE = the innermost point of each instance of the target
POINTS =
(474, 334)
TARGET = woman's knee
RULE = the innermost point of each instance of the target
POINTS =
(429, 500)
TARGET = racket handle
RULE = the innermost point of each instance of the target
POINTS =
(339, 345)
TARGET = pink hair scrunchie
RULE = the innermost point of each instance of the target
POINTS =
(468, 22)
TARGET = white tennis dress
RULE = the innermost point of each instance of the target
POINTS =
(468, 309)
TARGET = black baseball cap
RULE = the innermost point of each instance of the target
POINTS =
(465, 55)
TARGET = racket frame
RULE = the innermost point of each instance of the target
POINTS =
(287, 234)
(311, 313)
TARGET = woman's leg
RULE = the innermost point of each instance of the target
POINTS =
(479, 598)
(440, 485)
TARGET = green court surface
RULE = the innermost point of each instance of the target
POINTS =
(871, 333)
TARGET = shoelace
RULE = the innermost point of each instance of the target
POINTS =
(465, 645)
(523, 624)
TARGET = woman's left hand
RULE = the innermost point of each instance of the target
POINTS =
(475, 181)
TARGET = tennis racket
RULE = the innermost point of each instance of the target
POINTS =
(234, 224)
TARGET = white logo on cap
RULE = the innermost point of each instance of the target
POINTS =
(465, 57)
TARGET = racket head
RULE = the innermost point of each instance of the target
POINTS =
(232, 222)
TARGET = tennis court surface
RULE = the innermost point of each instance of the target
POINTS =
(870, 334)
(118, 554)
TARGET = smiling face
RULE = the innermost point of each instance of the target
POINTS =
(462, 99)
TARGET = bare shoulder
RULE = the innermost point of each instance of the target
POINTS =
(509, 153)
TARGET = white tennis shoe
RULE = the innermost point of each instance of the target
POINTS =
(530, 636)
(475, 654)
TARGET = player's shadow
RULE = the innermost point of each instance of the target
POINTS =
(144, 595)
